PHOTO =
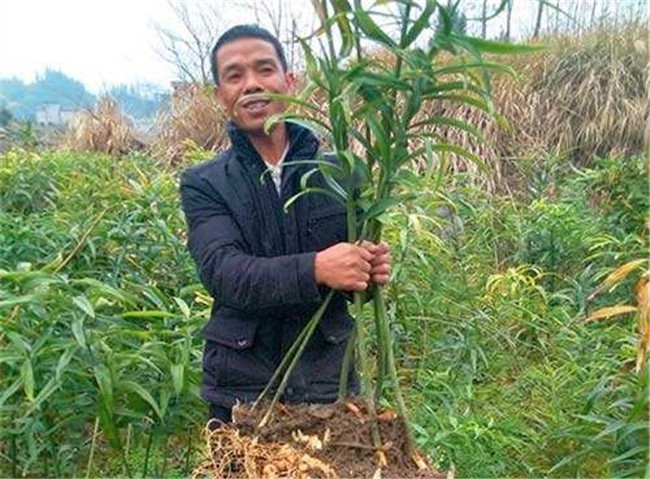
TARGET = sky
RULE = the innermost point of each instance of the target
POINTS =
(103, 43)
(97, 42)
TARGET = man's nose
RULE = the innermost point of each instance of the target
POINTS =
(252, 84)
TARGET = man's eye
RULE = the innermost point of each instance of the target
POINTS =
(233, 77)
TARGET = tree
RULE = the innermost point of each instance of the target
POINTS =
(538, 21)
(189, 49)
(286, 22)
(508, 19)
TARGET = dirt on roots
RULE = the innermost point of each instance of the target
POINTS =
(325, 441)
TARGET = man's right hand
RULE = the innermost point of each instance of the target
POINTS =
(344, 266)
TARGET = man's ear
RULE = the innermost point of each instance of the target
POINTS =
(292, 81)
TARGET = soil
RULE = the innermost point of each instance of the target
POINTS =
(310, 441)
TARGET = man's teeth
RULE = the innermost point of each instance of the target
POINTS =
(256, 105)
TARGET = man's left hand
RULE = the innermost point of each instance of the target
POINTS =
(380, 264)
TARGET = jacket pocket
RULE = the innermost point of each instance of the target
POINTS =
(231, 328)
(237, 360)
(336, 327)
(326, 227)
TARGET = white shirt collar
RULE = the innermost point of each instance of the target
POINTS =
(276, 170)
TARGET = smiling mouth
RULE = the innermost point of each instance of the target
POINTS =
(254, 106)
(254, 102)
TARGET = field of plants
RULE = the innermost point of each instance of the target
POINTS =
(100, 309)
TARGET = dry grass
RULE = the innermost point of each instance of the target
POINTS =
(231, 455)
(590, 97)
(582, 97)
(101, 129)
(193, 122)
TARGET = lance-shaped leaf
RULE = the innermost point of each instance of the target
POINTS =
(423, 21)
(140, 391)
(464, 67)
(605, 313)
(447, 121)
(496, 47)
(341, 10)
(449, 148)
(379, 207)
(314, 190)
(369, 27)
(317, 126)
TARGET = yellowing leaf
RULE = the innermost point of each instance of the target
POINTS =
(610, 311)
(643, 299)
(620, 273)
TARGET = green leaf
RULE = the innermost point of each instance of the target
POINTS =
(185, 309)
(10, 391)
(368, 78)
(369, 27)
(468, 100)
(341, 10)
(311, 67)
(83, 304)
(323, 191)
(148, 314)
(312, 124)
(177, 372)
(19, 342)
(64, 360)
(109, 427)
(379, 207)
(27, 376)
(50, 388)
(78, 332)
(465, 66)
(334, 185)
(496, 47)
(447, 121)
(17, 300)
(105, 383)
(140, 391)
(420, 24)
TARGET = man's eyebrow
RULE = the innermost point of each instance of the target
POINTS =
(266, 61)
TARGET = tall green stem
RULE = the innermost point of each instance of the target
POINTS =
(308, 331)
(345, 366)
(366, 371)
(380, 311)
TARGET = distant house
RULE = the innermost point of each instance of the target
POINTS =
(55, 114)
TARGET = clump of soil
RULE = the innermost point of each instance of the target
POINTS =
(309, 441)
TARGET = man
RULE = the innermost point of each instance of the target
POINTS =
(268, 269)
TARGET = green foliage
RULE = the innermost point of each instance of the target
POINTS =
(98, 317)
(505, 378)
(99, 320)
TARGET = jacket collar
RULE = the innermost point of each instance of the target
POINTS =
(303, 145)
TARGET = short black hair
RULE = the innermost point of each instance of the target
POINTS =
(245, 31)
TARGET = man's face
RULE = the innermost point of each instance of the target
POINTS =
(247, 66)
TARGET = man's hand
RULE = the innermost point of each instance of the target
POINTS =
(380, 263)
(350, 267)
(344, 266)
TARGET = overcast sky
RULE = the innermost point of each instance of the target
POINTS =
(102, 43)
(96, 42)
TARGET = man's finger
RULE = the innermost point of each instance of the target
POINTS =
(365, 254)
(365, 266)
(381, 269)
(381, 279)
